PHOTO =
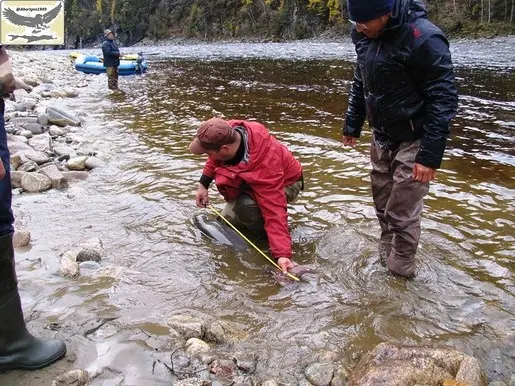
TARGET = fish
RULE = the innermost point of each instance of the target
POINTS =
(303, 272)
(219, 232)
(31, 39)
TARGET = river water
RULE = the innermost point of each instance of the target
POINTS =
(141, 205)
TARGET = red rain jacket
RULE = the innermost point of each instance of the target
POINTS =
(269, 169)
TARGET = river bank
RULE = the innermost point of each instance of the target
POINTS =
(123, 321)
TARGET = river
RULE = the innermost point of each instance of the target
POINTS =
(142, 202)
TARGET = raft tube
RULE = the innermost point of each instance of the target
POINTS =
(92, 64)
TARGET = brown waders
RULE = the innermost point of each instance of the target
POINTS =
(112, 78)
(398, 200)
(244, 212)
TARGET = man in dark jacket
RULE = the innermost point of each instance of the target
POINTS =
(111, 59)
(257, 176)
(404, 85)
(18, 348)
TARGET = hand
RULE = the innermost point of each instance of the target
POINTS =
(2, 170)
(202, 196)
(349, 141)
(423, 173)
(285, 263)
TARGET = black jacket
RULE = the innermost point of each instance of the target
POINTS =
(404, 83)
(111, 53)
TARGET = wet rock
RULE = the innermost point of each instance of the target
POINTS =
(43, 119)
(223, 368)
(26, 133)
(22, 121)
(319, 374)
(88, 267)
(16, 178)
(71, 92)
(16, 146)
(34, 128)
(187, 326)
(196, 346)
(245, 361)
(93, 243)
(21, 238)
(56, 131)
(88, 255)
(29, 166)
(62, 150)
(61, 118)
(27, 104)
(75, 175)
(470, 372)
(35, 182)
(340, 377)
(221, 331)
(76, 377)
(56, 177)
(20, 94)
(409, 365)
(37, 156)
(192, 382)
(15, 161)
(93, 162)
(68, 268)
(76, 163)
(41, 142)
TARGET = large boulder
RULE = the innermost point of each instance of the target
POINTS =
(390, 364)
(61, 118)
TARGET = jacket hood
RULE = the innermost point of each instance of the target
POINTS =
(405, 11)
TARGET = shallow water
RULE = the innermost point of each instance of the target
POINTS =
(142, 203)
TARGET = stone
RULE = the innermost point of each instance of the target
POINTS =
(470, 372)
(21, 84)
(34, 128)
(270, 382)
(187, 326)
(56, 131)
(77, 377)
(388, 364)
(35, 182)
(319, 374)
(21, 238)
(221, 331)
(43, 119)
(26, 133)
(15, 161)
(64, 150)
(41, 142)
(192, 382)
(88, 255)
(94, 162)
(55, 175)
(68, 268)
(77, 163)
(37, 156)
(61, 118)
(29, 166)
(71, 92)
(196, 346)
(16, 178)
(20, 94)
(75, 176)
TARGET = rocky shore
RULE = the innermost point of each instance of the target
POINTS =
(48, 152)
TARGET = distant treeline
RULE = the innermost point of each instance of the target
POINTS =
(134, 20)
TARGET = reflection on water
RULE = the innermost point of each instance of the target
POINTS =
(142, 203)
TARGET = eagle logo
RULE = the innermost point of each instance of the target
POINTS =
(39, 21)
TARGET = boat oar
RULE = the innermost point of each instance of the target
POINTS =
(251, 243)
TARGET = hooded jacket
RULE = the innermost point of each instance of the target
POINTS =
(269, 168)
(111, 53)
(404, 84)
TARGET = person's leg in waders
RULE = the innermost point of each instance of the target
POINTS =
(18, 348)
(112, 78)
(398, 200)
(244, 212)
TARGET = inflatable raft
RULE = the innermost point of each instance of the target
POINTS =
(92, 64)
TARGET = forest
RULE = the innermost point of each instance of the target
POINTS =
(266, 20)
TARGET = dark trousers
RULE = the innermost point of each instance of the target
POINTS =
(112, 78)
(6, 214)
(398, 201)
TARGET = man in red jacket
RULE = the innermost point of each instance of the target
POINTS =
(255, 174)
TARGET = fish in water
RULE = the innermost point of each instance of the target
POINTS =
(303, 272)
(219, 232)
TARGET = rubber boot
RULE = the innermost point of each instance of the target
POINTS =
(19, 350)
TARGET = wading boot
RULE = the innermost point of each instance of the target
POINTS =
(19, 350)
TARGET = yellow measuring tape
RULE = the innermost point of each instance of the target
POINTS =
(251, 243)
